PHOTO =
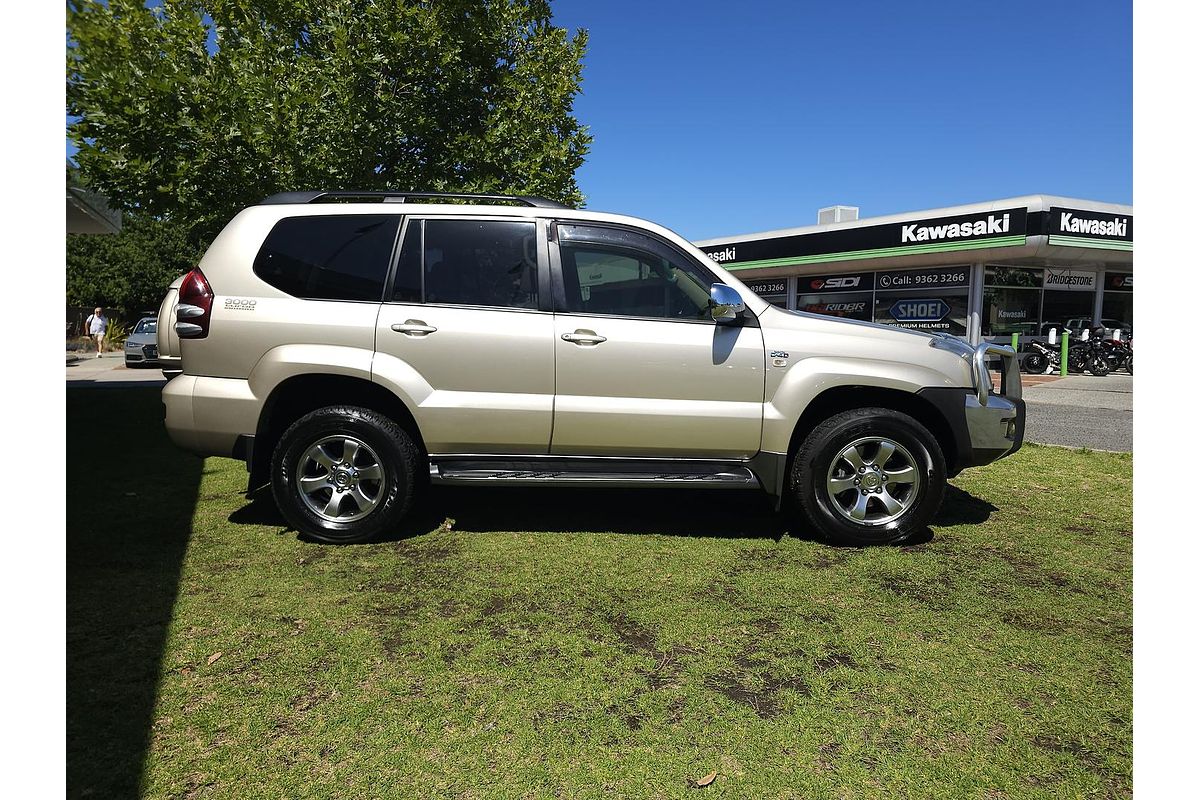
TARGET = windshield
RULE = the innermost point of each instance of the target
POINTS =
(146, 326)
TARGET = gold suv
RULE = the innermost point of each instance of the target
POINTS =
(353, 346)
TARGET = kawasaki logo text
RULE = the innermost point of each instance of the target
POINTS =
(991, 226)
(1069, 223)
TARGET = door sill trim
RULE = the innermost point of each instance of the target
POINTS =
(585, 471)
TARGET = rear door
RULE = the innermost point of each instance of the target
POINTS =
(642, 370)
(466, 333)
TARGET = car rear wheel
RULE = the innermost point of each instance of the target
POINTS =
(869, 476)
(344, 474)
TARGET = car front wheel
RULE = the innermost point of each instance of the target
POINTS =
(344, 474)
(869, 476)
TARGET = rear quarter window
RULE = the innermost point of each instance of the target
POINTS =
(337, 257)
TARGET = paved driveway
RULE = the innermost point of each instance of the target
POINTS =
(1082, 411)
(108, 372)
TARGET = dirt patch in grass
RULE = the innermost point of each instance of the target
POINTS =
(633, 636)
(834, 660)
(762, 701)
(933, 591)
(828, 560)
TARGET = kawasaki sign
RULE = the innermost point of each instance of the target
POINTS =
(994, 225)
(1003, 227)
(1072, 227)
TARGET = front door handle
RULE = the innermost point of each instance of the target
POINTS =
(584, 337)
(413, 327)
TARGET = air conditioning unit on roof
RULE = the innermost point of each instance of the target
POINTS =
(837, 214)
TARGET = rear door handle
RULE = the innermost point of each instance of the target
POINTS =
(414, 327)
(584, 337)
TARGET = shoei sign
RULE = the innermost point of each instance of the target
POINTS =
(919, 310)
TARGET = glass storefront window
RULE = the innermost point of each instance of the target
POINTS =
(1118, 297)
(942, 310)
(929, 299)
(1059, 308)
(1009, 310)
(853, 305)
(1019, 277)
(773, 291)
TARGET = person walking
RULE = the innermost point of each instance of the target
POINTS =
(97, 326)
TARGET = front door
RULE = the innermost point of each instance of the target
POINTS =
(467, 337)
(642, 370)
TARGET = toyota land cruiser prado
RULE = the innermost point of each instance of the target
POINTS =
(351, 347)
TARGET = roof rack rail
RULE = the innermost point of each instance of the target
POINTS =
(290, 198)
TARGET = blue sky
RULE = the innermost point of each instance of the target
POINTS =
(717, 118)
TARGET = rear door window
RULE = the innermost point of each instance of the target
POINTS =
(341, 257)
(468, 262)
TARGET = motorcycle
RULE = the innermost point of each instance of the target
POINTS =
(1040, 356)
(1119, 354)
(1095, 355)
(1090, 354)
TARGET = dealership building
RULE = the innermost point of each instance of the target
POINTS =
(982, 271)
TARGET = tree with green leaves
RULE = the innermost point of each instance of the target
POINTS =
(129, 271)
(195, 109)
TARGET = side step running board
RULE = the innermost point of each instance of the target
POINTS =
(592, 473)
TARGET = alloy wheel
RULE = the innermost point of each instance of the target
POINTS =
(873, 481)
(340, 478)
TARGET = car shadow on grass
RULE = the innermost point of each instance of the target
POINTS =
(129, 500)
(675, 512)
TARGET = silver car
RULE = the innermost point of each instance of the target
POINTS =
(353, 347)
(141, 348)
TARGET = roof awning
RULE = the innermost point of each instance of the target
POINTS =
(88, 212)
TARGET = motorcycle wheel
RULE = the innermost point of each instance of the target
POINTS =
(1034, 363)
(1129, 364)
(1098, 366)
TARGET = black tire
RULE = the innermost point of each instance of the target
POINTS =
(1098, 366)
(1076, 360)
(1129, 364)
(398, 458)
(821, 448)
(1035, 363)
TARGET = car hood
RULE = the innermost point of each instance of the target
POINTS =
(805, 335)
(142, 338)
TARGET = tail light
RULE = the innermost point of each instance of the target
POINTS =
(194, 311)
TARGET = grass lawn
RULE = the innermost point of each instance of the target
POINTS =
(577, 643)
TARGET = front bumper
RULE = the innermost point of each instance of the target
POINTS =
(141, 354)
(987, 423)
(995, 418)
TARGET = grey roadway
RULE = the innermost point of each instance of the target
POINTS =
(86, 371)
(1076, 411)
(1082, 411)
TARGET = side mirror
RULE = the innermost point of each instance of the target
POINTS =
(725, 304)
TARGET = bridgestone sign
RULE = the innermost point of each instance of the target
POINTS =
(1070, 279)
